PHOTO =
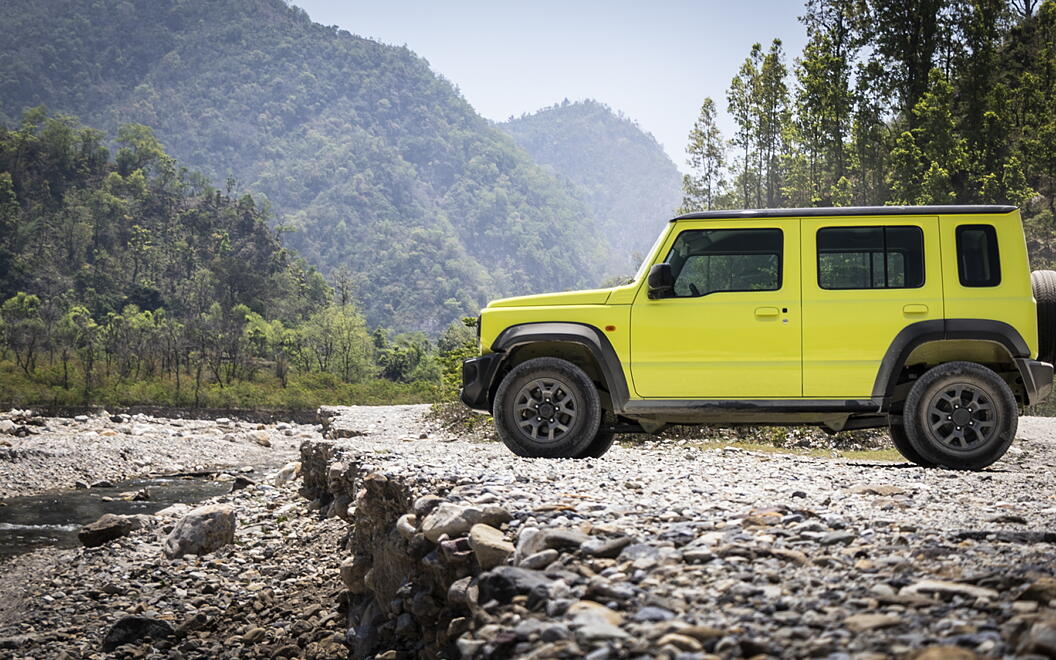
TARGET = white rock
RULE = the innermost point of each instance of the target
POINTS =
(203, 530)
(288, 473)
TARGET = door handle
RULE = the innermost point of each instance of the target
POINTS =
(766, 312)
(915, 309)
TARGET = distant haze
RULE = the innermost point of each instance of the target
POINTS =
(653, 61)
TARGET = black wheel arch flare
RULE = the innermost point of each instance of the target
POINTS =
(582, 334)
(922, 332)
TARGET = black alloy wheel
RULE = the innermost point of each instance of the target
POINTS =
(960, 415)
(547, 408)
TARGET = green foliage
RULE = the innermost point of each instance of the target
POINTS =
(706, 158)
(920, 103)
(369, 158)
(129, 282)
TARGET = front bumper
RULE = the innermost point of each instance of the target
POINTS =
(1037, 379)
(478, 374)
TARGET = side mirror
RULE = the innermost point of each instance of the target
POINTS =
(661, 281)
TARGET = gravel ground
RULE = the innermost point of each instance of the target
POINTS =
(45, 453)
(672, 552)
(730, 552)
(274, 591)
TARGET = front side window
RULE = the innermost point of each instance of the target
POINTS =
(870, 258)
(977, 258)
(707, 261)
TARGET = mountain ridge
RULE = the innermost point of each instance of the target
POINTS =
(627, 180)
(377, 161)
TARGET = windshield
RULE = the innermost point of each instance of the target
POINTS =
(648, 255)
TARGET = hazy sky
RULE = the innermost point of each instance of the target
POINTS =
(653, 60)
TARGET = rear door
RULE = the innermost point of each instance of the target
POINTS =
(864, 280)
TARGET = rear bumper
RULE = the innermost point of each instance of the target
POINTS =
(477, 376)
(1037, 379)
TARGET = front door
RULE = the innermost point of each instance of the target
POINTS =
(732, 328)
(864, 280)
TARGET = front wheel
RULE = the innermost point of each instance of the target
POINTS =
(603, 439)
(547, 408)
(898, 436)
(961, 416)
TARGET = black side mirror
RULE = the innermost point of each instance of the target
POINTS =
(661, 281)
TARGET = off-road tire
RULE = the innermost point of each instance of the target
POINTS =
(603, 439)
(960, 415)
(1043, 283)
(901, 441)
(574, 406)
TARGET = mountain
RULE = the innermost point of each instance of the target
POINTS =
(626, 180)
(82, 227)
(376, 163)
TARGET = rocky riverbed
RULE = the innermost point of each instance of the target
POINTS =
(47, 453)
(396, 545)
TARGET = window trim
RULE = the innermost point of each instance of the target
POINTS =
(883, 232)
(995, 251)
(780, 260)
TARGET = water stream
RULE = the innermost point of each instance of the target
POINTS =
(52, 519)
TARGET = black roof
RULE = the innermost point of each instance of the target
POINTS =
(832, 211)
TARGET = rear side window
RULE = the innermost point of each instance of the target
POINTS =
(870, 258)
(978, 263)
(707, 261)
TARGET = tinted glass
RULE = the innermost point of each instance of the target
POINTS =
(977, 256)
(707, 261)
(870, 257)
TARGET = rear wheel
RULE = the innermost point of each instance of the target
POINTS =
(960, 415)
(547, 408)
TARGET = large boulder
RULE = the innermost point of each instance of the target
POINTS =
(203, 530)
(110, 526)
(132, 629)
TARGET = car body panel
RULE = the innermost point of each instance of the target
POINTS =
(729, 344)
(1011, 301)
(846, 332)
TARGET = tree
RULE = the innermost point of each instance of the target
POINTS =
(741, 104)
(707, 158)
(905, 38)
(23, 328)
(772, 116)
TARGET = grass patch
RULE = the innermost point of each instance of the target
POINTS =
(263, 392)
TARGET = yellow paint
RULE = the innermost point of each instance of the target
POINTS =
(1006, 302)
(846, 332)
(729, 344)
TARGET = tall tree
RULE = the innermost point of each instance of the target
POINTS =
(771, 110)
(905, 38)
(741, 104)
(706, 158)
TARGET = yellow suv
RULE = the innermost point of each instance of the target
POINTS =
(922, 319)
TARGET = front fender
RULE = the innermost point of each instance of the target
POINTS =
(577, 333)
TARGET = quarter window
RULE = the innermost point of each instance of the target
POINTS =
(707, 261)
(870, 257)
(978, 263)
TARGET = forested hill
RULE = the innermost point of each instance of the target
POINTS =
(626, 179)
(378, 163)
